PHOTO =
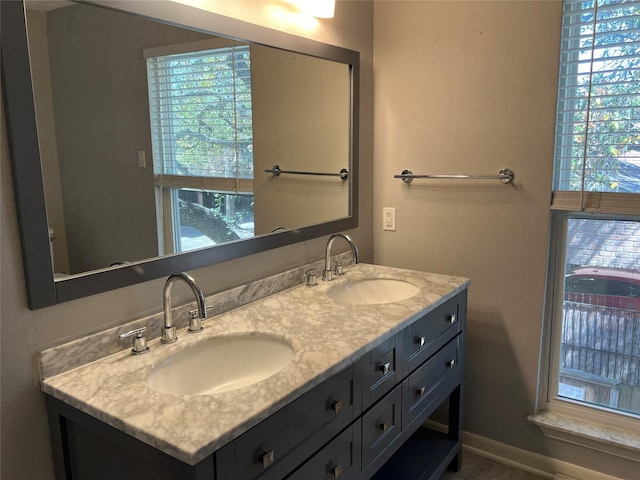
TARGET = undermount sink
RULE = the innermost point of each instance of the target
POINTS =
(372, 291)
(221, 364)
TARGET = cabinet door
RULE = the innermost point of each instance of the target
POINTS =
(381, 426)
(379, 370)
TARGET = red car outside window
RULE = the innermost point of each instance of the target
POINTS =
(608, 287)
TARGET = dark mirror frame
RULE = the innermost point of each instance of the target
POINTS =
(19, 108)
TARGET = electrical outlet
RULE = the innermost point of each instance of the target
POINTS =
(389, 219)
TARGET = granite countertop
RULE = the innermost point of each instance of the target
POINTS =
(326, 337)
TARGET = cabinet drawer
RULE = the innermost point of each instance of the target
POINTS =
(425, 386)
(428, 334)
(275, 447)
(379, 371)
(340, 459)
(381, 426)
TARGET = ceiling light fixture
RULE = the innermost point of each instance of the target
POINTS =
(317, 8)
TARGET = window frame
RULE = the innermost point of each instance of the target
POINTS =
(550, 365)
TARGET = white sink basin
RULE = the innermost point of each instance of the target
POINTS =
(372, 291)
(221, 364)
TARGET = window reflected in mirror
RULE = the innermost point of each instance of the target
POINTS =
(202, 135)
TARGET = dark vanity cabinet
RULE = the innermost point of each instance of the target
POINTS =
(366, 421)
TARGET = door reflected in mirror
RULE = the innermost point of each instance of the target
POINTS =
(155, 139)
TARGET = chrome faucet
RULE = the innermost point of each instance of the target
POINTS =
(195, 325)
(327, 274)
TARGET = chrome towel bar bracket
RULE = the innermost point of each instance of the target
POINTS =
(505, 176)
(276, 171)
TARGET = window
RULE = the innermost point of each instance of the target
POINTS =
(598, 314)
(201, 124)
(595, 245)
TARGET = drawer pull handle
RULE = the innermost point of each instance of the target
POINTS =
(421, 341)
(451, 363)
(384, 426)
(453, 318)
(336, 471)
(337, 406)
(385, 368)
(421, 391)
(267, 459)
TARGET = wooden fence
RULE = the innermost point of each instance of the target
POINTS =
(600, 355)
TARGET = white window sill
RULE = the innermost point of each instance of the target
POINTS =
(580, 431)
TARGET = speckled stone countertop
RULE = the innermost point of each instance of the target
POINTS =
(326, 337)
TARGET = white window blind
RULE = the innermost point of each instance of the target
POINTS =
(200, 105)
(597, 153)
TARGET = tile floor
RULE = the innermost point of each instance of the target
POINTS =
(479, 468)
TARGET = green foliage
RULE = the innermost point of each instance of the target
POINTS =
(609, 94)
(209, 114)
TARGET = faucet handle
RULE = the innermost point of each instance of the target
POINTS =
(194, 313)
(195, 321)
(311, 278)
(337, 269)
(195, 324)
(139, 340)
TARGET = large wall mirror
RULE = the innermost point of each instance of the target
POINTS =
(153, 137)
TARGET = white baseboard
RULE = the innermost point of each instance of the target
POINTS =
(541, 465)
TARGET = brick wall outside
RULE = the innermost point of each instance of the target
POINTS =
(603, 243)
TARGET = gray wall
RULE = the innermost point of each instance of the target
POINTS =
(25, 450)
(39, 54)
(309, 133)
(469, 87)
